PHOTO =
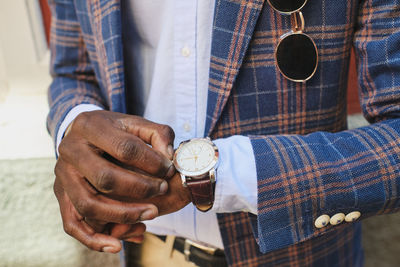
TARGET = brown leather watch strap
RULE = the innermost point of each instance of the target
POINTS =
(202, 192)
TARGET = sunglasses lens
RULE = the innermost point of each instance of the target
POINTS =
(297, 57)
(287, 5)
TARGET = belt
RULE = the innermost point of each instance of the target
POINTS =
(200, 255)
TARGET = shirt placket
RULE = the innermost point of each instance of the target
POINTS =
(185, 87)
(185, 68)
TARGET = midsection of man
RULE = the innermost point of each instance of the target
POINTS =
(167, 62)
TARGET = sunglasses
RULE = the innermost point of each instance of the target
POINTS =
(296, 54)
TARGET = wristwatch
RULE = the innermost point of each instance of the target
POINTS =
(196, 160)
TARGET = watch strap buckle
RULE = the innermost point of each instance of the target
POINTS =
(186, 250)
(189, 243)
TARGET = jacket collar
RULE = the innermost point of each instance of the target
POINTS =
(234, 24)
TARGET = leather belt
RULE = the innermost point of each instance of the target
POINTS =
(200, 255)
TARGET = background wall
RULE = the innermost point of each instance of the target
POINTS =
(23, 36)
(3, 78)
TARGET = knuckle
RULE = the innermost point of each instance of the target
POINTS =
(68, 148)
(128, 218)
(147, 191)
(85, 208)
(57, 191)
(167, 132)
(105, 181)
(143, 191)
(128, 150)
(58, 168)
(63, 147)
(140, 228)
(68, 228)
(141, 194)
(93, 245)
(82, 120)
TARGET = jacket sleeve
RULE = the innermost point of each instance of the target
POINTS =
(303, 177)
(74, 80)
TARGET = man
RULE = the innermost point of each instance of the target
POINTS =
(292, 184)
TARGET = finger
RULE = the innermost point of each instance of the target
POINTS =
(111, 179)
(94, 206)
(159, 136)
(125, 146)
(177, 197)
(97, 226)
(127, 231)
(122, 146)
(135, 239)
(118, 230)
(75, 226)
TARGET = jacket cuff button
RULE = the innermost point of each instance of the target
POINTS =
(322, 221)
(353, 216)
(337, 219)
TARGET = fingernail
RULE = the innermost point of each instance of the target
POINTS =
(109, 249)
(130, 236)
(147, 215)
(136, 239)
(170, 171)
(170, 151)
(163, 187)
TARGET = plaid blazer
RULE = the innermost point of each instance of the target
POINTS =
(308, 164)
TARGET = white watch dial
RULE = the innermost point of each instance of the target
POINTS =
(195, 156)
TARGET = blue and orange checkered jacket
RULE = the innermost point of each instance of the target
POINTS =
(308, 163)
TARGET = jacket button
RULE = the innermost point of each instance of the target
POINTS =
(337, 218)
(322, 221)
(353, 216)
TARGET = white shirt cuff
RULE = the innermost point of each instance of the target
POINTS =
(72, 114)
(236, 186)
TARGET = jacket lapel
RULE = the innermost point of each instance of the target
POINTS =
(234, 23)
(108, 42)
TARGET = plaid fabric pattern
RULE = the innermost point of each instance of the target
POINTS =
(308, 164)
(86, 58)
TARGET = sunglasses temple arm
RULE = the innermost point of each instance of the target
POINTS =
(297, 22)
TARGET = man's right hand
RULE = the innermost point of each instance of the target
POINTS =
(88, 186)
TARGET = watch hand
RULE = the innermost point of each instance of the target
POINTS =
(191, 149)
(189, 158)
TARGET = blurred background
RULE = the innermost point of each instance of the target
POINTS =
(31, 231)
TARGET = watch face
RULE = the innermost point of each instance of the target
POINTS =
(196, 157)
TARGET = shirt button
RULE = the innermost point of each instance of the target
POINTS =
(185, 51)
(337, 219)
(353, 216)
(322, 221)
(187, 127)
